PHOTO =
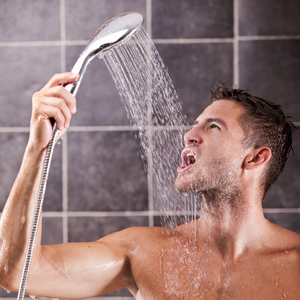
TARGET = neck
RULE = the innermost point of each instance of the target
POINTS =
(230, 222)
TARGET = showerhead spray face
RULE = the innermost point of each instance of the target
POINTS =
(109, 35)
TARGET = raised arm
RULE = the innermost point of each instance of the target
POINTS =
(59, 271)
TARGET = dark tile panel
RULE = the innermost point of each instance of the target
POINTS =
(286, 190)
(170, 221)
(12, 146)
(6, 294)
(53, 195)
(83, 18)
(88, 229)
(271, 69)
(24, 70)
(105, 172)
(194, 68)
(98, 101)
(52, 231)
(269, 17)
(289, 221)
(29, 21)
(192, 19)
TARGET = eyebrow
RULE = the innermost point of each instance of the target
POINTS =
(213, 120)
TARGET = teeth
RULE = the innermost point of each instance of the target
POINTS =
(189, 154)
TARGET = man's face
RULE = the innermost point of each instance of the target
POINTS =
(213, 156)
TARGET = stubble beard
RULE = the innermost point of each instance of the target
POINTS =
(216, 177)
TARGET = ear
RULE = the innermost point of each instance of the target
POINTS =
(257, 158)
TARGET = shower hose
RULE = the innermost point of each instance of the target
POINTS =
(37, 213)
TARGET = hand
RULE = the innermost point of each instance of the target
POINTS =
(53, 101)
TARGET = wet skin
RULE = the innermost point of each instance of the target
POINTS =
(231, 252)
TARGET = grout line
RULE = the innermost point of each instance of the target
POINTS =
(149, 132)
(65, 138)
(281, 210)
(156, 41)
(149, 17)
(193, 41)
(236, 74)
(127, 128)
(65, 187)
(62, 35)
(99, 214)
(14, 129)
(270, 37)
(53, 214)
(44, 43)
(110, 128)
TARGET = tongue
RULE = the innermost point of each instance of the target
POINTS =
(191, 160)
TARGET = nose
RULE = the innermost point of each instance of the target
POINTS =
(192, 137)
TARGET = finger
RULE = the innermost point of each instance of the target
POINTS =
(60, 79)
(51, 107)
(46, 112)
(61, 92)
(61, 107)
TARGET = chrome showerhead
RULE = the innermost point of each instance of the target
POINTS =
(109, 35)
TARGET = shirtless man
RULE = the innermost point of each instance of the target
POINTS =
(231, 252)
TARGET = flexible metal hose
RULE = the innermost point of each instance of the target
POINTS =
(37, 213)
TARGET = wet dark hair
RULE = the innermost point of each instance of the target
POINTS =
(264, 124)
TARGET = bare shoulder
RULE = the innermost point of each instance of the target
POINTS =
(131, 238)
(286, 242)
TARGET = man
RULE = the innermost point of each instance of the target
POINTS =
(235, 150)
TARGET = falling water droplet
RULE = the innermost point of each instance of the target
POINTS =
(151, 102)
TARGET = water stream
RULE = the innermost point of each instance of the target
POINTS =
(152, 105)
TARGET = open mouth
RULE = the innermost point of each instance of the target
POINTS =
(188, 159)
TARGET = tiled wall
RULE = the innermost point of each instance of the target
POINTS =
(97, 183)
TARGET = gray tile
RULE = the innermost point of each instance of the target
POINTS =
(12, 146)
(83, 18)
(25, 70)
(88, 229)
(286, 190)
(5, 294)
(53, 195)
(105, 172)
(30, 21)
(269, 17)
(270, 69)
(192, 19)
(98, 102)
(194, 68)
(170, 221)
(52, 231)
(289, 221)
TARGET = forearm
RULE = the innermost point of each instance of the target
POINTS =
(17, 216)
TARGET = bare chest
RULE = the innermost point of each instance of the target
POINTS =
(188, 274)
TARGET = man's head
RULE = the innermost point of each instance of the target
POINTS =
(264, 124)
(212, 158)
